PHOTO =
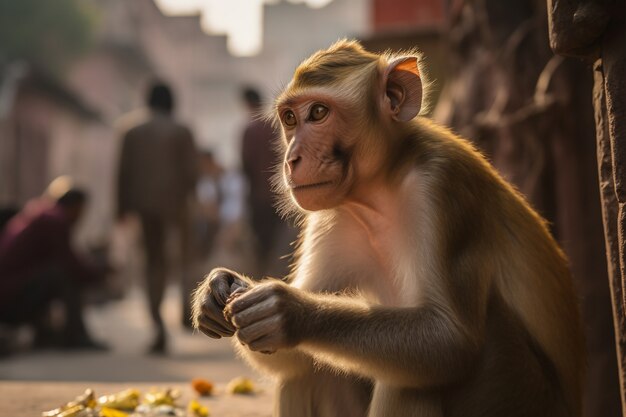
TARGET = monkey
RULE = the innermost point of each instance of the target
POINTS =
(423, 283)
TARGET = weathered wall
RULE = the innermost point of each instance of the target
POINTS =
(595, 31)
(531, 113)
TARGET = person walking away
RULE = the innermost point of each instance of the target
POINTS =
(156, 180)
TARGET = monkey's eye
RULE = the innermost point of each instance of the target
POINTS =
(289, 118)
(318, 112)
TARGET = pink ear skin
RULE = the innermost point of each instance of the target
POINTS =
(403, 88)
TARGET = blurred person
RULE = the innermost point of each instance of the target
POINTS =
(219, 237)
(206, 221)
(233, 246)
(258, 160)
(232, 185)
(156, 181)
(38, 266)
(220, 194)
(208, 199)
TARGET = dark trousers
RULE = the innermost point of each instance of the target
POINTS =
(155, 233)
(31, 303)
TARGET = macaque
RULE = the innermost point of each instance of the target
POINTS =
(423, 283)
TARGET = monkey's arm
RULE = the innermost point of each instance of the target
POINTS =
(420, 346)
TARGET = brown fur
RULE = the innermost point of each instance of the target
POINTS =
(419, 271)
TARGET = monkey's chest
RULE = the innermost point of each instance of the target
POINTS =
(378, 278)
(354, 259)
(374, 255)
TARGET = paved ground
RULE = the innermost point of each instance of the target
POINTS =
(34, 381)
(29, 399)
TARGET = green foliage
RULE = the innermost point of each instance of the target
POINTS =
(45, 32)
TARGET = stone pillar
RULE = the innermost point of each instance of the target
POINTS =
(595, 30)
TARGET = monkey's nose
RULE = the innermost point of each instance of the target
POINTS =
(292, 162)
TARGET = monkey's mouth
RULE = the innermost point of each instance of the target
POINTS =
(304, 187)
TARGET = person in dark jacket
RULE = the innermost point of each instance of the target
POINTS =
(156, 180)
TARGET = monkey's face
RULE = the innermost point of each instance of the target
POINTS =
(317, 167)
(340, 117)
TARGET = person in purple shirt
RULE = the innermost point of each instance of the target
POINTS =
(38, 266)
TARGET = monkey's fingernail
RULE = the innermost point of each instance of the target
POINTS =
(235, 294)
(229, 299)
(228, 316)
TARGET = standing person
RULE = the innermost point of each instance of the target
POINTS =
(38, 265)
(258, 160)
(205, 221)
(208, 201)
(156, 179)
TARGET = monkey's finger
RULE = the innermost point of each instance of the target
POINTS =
(209, 332)
(260, 329)
(211, 308)
(216, 327)
(247, 299)
(235, 291)
(256, 312)
(266, 344)
(212, 315)
(220, 323)
(220, 290)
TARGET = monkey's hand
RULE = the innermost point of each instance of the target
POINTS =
(270, 316)
(211, 297)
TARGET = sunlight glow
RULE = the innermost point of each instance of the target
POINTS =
(314, 4)
(240, 20)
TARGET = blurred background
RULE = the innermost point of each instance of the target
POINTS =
(76, 76)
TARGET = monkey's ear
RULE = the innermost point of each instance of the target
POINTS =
(403, 88)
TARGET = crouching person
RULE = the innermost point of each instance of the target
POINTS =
(38, 266)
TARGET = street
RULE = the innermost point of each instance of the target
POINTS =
(35, 381)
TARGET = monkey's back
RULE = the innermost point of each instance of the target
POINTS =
(534, 287)
(536, 283)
